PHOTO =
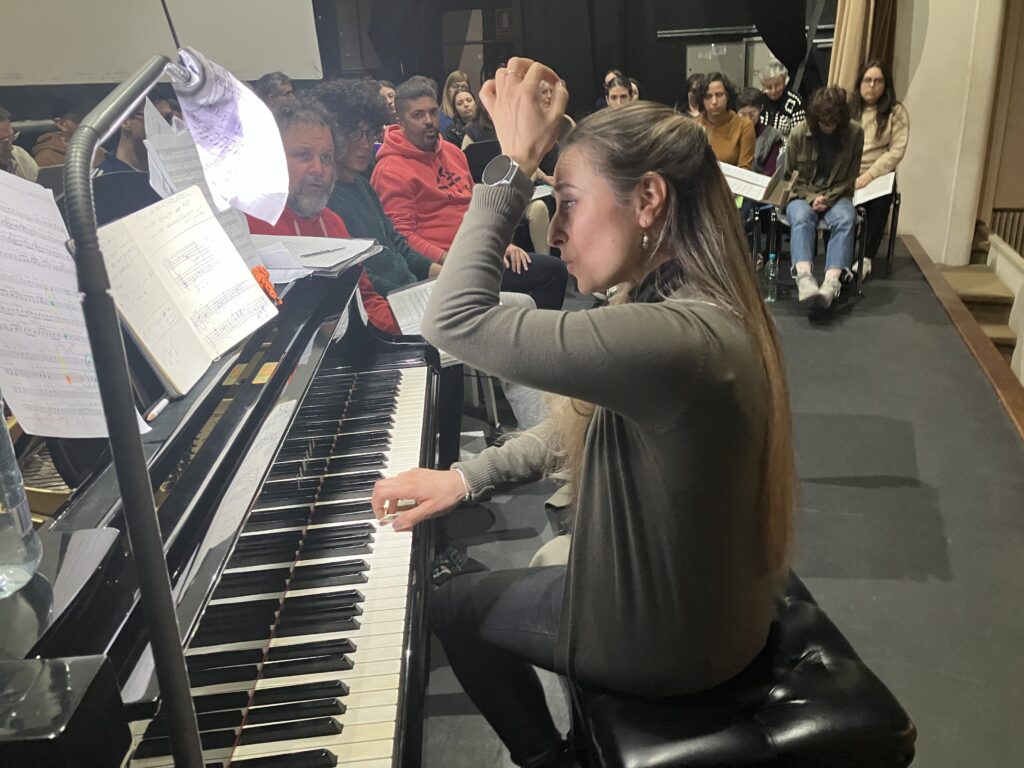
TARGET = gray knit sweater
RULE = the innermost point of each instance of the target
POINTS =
(663, 592)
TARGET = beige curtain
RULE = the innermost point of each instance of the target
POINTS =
(852, 42)
(883, 31)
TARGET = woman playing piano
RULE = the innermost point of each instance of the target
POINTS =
(673, 423)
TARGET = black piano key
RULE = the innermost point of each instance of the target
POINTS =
(252, 583)
(221, 675)
(336, 512)
(296, 667)
(310, 650)
(207, 721)
(223, 659)
(226, 633)
(215, 702)
(317, 758)
(334, 689)
(329, 574)
(311, 626)
(347, 550)
(299, 711)
(355, 461)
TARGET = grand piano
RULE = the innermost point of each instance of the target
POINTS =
(301, 619)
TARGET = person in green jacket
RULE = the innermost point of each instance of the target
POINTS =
(359, 110)
(826, 151)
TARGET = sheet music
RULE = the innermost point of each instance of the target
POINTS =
(181, 286)
(314, 253)
(46, 369)
(878, 188)
(174, 165)
(408, 305)
(744, 182)
(238, 141)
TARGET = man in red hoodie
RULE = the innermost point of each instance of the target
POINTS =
(309, 148)
(425, 187)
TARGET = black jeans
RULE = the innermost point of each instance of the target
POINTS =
(495, 627)
(544, 281)
(876, 214)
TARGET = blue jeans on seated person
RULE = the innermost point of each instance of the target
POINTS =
(841, 219)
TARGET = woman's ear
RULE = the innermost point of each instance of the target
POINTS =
(651, 198)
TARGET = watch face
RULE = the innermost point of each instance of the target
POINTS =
(497, 170)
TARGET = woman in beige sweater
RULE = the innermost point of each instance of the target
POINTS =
(886, 132)
(674, 420)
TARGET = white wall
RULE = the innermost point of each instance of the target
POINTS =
(946, 61)
(46, 42)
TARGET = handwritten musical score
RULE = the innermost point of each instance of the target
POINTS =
(182, 289)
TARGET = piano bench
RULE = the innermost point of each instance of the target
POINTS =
(806, 700)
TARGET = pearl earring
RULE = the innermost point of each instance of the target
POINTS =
(645, 240)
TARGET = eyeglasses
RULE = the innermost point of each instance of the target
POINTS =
(9, 140)
(873, 81)
(357, 134)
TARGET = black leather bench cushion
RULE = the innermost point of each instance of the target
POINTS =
(807, 700)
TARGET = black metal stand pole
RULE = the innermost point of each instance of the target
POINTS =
(119, 409)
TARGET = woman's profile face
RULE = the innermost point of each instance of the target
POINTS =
(465, 105)
(598, 236)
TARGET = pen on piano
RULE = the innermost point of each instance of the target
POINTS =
(157, 409)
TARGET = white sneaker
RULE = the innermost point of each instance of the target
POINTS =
(807, 288)
(855, 268)
(829, 290)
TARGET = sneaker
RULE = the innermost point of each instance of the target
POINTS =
(829, 290)
(807, 288)
(855, 268)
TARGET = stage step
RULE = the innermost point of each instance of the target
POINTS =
(981, 292)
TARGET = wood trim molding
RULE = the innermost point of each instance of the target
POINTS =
(1008, 387)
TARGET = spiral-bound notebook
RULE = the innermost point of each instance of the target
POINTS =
(180, 286)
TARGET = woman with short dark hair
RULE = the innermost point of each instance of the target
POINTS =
(769, 142)
(732, 137)
(826, 151)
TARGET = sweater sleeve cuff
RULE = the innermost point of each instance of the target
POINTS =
(509, 200)
(480, 473)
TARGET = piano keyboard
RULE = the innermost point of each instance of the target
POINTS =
(298, 657)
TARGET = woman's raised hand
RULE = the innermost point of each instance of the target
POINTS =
(416, 495)
(526, 101)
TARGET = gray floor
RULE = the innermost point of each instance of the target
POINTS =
(910, 530)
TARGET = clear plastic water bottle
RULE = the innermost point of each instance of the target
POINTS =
(20, 549)
(770, 290)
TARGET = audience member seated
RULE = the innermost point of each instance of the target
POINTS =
(357, 109)
(634, 90)
(274, 88)
(51, 148)
(617, 93)
(465, 113)
(886, 127)
(131, 154)
(307, 134)
(769, 143)
(456, 82)
(538, 216)
(826, 150)
(387, 90)
(14, 159)
(425, 186)
(692, 108)
(732, 137)
(606, 82)
(783, 109)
